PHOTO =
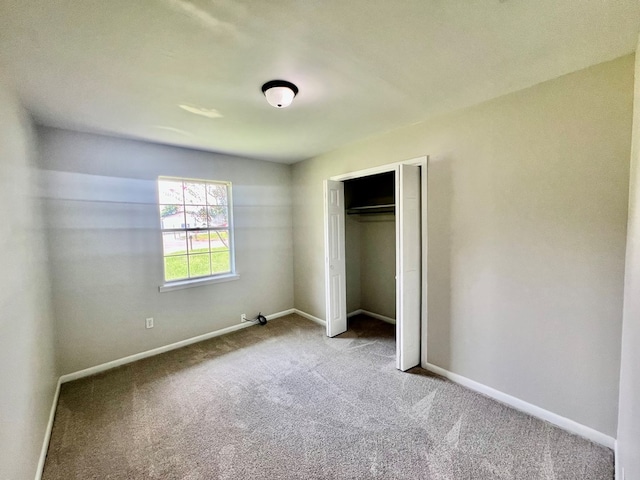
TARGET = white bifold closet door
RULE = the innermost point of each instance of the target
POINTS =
(335, 280)
(408, 263)
(408, 267)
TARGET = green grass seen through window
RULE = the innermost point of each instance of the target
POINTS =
(197, 263)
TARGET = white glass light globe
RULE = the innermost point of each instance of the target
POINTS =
(279, 97)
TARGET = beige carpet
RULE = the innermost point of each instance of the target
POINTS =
(285, 402)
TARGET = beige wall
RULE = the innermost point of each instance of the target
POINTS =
(527, 225)
(353, 267)
(378, 264)
(28, 375)
(629, 414)
(370, 263)
(106, 251)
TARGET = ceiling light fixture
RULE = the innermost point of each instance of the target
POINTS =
(279, 93)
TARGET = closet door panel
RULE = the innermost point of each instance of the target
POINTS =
(335, 259)
(408, 267)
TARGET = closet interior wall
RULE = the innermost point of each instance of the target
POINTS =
(370, 243)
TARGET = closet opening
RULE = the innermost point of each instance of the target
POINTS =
(375, 252)
(370, 249)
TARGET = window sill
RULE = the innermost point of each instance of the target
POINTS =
(196, 282)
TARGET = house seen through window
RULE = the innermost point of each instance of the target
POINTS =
(197, 237)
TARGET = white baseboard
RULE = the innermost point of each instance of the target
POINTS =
(558, 420)
(349, 315)
(616, 465)
(310, 317)
(619, 469)
(283, 313)
(47, 432)
(384, 318)
(156, 351)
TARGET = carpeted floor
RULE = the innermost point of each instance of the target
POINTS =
(285, 402)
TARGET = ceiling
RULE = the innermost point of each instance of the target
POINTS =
(124, 67)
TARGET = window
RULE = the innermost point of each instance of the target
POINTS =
(197, 233)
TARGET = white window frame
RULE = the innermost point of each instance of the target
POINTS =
(168, 285)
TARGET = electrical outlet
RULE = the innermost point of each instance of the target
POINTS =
(243, 317)
(149, 322)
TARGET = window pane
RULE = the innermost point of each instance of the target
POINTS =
(175, 268)
(217, 217)
(219, 240)
(217, 194)
(172, 216)
(170, 191)
(198, 242)
(221, 261)
(196, 216)
(199, 265)
(194, 193)
(174, 243)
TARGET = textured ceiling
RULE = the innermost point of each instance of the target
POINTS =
(124, 67)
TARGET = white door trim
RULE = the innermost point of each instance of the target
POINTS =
(424, 177)
(389, 167)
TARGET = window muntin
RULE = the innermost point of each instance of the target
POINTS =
(197, 232)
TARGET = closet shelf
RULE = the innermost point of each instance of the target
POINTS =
(372, 209)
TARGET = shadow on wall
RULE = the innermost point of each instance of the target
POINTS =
(440, 197)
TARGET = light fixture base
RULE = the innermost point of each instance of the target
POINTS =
(279, 93)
